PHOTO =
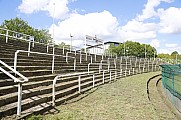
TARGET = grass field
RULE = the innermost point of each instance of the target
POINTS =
(124, 99)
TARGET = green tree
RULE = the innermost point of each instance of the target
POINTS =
(131, 48)
(174, 54)
(21, 26)
(62, 44)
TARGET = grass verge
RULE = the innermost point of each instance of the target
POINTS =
(124, 99)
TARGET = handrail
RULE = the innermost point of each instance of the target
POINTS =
(15, 80)
(114, 61)
(66, 75)
(100, 64)
(14, 71)
(79, 58)
(31, 38)
(18, 51)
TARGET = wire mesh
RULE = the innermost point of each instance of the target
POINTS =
(171, 80)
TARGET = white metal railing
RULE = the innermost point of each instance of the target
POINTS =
(114, 61)
(25, 79)
(53, 62)
(80, 57)
(66, 75)
(16, 35)
(100, 64)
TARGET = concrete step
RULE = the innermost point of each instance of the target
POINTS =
(45, 91)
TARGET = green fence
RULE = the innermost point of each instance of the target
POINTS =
(171, 80)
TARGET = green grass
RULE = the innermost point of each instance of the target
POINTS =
(124, 99)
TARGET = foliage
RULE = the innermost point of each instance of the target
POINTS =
(172, 56)
(34, 117)
(61, 45)
(130, 48)
(21, 26)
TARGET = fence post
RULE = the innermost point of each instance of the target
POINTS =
(121, 72)
(126, 63)
(94, 57)
(133, 71)
(53, 59)
(47, 47)
(19, 99)
(79, 82)
(6, 36)
(86, 56)
(93, 77)
(63, 50)
(173, 88)
(80, 58)
(103, 77)
(110, 76)
(29, 45)
(115, 74)
(74, 63)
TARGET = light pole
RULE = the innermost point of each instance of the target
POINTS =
(176, 58)
(71, 42)
(53, 61)
(53, 21)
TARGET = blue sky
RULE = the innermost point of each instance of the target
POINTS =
(155, 22)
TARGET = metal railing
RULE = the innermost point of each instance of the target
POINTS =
(100, 64)
(80, 56)
(53, 61)
(66, 75)
(25, 79)
(16, 35)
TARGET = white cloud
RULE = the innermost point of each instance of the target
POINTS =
(171, 45)
(102, 24)
(155, 43)
(170, 20)
(137, 26)
(163, 50)
(137, 36)
(56, 8)
(149, 10)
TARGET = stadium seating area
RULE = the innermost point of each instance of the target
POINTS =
(40, 67)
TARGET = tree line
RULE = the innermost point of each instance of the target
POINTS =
(130, 48)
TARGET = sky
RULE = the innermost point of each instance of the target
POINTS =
(154, 22)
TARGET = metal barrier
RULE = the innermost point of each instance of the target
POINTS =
(171, 80)
(100, 64)
(66, 75)
(25, 79)
(53, 62)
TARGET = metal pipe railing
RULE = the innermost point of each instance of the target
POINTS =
(18, 51)
(79, 82)
(15, 35)
(25, 79)
(96, 64)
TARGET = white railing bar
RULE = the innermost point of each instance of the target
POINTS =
(16, 72)
(15, 80)
(79, 83)
(18, 51)
(65, 75)
(100, 64)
